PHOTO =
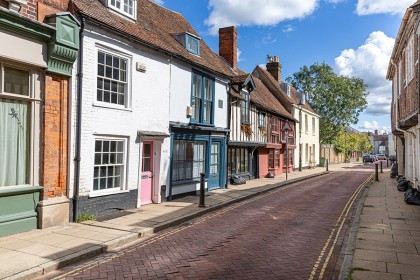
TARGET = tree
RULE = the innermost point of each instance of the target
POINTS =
(352, 142)
(338, 100)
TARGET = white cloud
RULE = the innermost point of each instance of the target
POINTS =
(256, 12)
(334, 1)
(268, 39)
(160, 2)
(372, 126)
(370, 63)
(369, 7)
(238, 53)
(288, 28)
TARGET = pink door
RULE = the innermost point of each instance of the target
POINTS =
(147, 174)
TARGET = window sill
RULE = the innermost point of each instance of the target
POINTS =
(196, 181)
(110, 106)
(201, 124)
(106, 192)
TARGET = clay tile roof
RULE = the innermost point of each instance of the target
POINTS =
(265, 99)
(155, 27)
(239, 79)
(295, 95)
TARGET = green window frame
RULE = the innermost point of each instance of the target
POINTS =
(202, 99)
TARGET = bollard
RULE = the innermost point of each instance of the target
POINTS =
(381, 167)
(326, 161)
(202, 202)
(387, 162)
(376, 172)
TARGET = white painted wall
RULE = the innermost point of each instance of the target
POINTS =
(148, 107)
(311, 137)
(412, 155)
(180, 96)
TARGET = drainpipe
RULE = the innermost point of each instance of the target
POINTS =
(228, 133)
(78, 125)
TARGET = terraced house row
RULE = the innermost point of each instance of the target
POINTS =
(109, 105)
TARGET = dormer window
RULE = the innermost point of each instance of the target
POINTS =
(125, 7)
(190, 42)
(193, 44)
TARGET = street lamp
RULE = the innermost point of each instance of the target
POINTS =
(286, 128)
(300, 105)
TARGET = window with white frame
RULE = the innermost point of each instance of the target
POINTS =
(109, 165)
(399, 77)
(125, 7)
(313, 125)
(306, 124)
(188, 160)
(409, 61)
(112, 79)
(19, 121)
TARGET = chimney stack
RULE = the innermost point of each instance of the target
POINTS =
(376, 132)
(228, 46)
(274, 67)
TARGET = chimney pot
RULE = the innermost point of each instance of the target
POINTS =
(274, 67)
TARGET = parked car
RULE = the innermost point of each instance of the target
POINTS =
(381, 156)
(368, 158)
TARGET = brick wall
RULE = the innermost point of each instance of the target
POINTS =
(409, 98)
(54, 140)
(228, 45)
(329, 152)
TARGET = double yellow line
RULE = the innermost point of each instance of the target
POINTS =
(335, 233)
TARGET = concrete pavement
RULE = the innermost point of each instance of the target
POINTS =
(387, 244)
(32, 254)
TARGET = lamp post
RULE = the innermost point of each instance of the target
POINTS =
(300, 105)
(286, 129)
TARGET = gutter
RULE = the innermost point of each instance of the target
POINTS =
(78, 124)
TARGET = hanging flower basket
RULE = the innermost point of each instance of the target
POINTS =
(246, 128)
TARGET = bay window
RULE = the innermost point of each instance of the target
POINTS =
(189, 158)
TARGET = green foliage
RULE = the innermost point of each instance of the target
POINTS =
(352, 142)
(85, 217)
(338, 100)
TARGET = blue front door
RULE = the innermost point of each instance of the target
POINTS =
(214, 179)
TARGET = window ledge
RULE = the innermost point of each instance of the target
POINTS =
(201, 124)
(107, 106)
(106, 192)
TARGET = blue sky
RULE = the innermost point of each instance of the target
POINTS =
(355, 37)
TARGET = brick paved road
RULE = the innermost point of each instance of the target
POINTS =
(279, 235)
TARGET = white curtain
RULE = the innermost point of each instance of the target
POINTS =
(13, 142)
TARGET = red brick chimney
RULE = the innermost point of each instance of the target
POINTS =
(274, 67)
(228, 46)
